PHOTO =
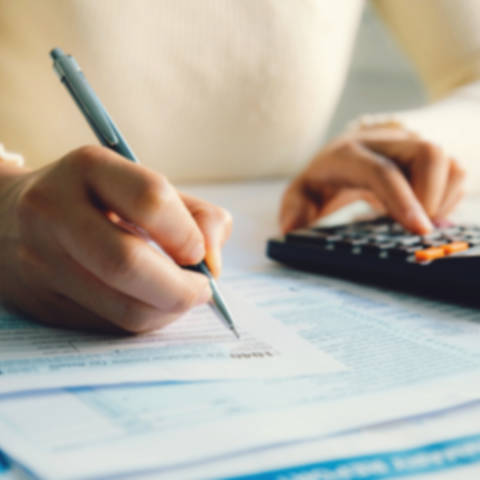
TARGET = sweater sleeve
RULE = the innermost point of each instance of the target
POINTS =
(10, 157)
(442, 39)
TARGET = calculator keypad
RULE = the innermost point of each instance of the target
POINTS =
(385, 238)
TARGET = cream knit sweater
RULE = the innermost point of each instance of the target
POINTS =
(222, 89)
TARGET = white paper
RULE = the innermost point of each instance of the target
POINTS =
(444, 445)
(394, 371)
(196, 347)
(412, 444)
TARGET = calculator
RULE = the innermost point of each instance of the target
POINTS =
(445, 263)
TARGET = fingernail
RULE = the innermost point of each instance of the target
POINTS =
(198, 254)
(206, 297)
(214, 262)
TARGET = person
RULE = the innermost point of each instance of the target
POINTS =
(206, 91)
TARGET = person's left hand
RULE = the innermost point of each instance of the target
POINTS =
(412, 180)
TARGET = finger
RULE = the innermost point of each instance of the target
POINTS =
(427, 165)
(126, 263)
(355, 166)
(46, 267)
(145, 198)
(454, 191)
(316, 207)
(347, 196)
(70, 282)
(38, 302)
(215, 224)
(391, 187)
(56, 311)
(299, 208)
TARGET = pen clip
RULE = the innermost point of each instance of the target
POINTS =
(69, 72)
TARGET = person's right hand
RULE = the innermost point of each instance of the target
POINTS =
(65, 261)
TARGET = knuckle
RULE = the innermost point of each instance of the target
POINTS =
(226, 221)
(154, 190)
(458, 171)
(84, 158)
(384, 170)
(431, 154)
(219, 215)
(120, 263)
(347, 148)
(37, 201)
(225, 217)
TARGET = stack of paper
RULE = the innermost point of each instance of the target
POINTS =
(196, 347)
(343, 358)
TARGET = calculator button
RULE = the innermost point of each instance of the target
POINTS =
(377, 248)
(379, 238)
(352, 236)
(380, 229)
(471, 237)
(429, 254)
(404, 251)
(473, 242)
(432, 236)
(455, 247)
(454, 238)
(433, 243)
(406, 239)
(311, 237)
(329, 230)
(350, 244)
(450, 231)
(471, 228)
(397, 228)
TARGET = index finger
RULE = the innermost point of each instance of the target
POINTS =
(128, 264)
(146, 199)
(215, 224)
(427, 165)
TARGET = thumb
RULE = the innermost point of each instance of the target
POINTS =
(298, 209)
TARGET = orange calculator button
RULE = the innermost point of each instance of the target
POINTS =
(454, 247)
(429, 254)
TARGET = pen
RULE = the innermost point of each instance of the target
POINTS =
(71, 76)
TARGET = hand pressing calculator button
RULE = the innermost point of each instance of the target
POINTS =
(446, 261)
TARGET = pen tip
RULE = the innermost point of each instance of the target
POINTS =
(234, 330)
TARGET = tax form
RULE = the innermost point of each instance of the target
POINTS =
(444, 444)
(394, 370)
(196, 347)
